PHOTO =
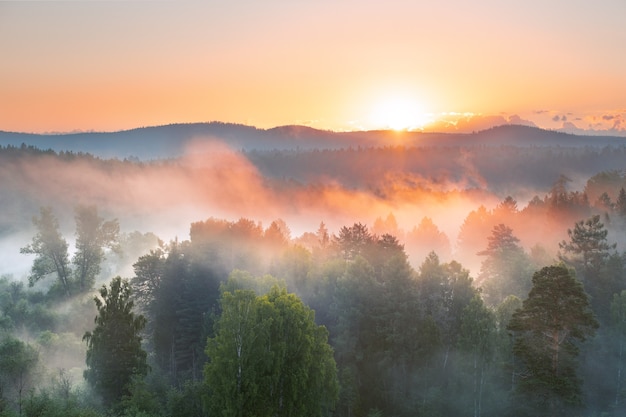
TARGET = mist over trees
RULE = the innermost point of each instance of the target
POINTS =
(440, 284)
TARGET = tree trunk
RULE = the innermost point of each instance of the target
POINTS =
(618, 388)
(480, 388)
(475, 385)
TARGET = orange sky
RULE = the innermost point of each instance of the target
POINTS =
(96, 65)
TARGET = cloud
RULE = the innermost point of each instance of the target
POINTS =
(599, 123)
(464, 123)
(517, 120)
(617, 125)
(570, 127)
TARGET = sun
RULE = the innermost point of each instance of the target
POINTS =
(398, 113)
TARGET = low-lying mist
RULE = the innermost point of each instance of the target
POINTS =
(337, 187)
(335, 226)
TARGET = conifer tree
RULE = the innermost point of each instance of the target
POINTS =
(553, 321)
(114, 352)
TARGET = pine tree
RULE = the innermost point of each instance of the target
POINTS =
(620, 204)
(548, 329)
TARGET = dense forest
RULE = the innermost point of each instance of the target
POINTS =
(387, 281)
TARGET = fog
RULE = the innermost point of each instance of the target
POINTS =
(338, 188)
(212, 180)
(441, 199)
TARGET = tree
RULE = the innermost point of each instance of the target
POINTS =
(473, 234)
(426, 238)
(353, 241)
(506, 268)
(477, 336)
(277, 235)
(548, 328)
(445, 291)
(589, 252)
(620, 204)
(588, 248)
(269, 358)
(51, 250)
(559, 197)
(17, 362)
(176, 287)
(618, 314)
(321, 246)
(114, 352)
(93, 234)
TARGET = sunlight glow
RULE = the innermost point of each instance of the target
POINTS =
(399, 113)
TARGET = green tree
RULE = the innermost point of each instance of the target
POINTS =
(478, 332)
(93, 234)
(506, 269)
(353, 241)
(269, 358)
(17, 363)
(548, 328)
(504, 312)
(620, 204)
(618, 314)
(587, 249)
(176, 287)
(445, 290)
(114, 352)
(50, 249)
(589, 252)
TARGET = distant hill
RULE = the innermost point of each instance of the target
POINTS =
(171, 141)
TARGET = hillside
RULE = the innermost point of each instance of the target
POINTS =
(172, 140)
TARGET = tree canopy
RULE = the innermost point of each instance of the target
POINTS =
(547, 331)
(269, 358)
(114, 352)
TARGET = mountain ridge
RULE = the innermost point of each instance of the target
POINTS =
(172, 140)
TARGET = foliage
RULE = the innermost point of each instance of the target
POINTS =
(177, 290)
(268, 358)
(114, 352)
(93, 234)
(50, 249)
(478, 331)
(547, 330)
(406, 342)
(618, 315)
(353, 241)
(506, 269)
(17, 365)
(588, 248)
(21, 310)
(601, 271)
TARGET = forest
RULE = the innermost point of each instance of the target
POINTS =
(356, 282)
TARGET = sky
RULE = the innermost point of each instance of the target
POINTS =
(329, 64)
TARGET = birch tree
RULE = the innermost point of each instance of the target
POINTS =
(269, 358)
